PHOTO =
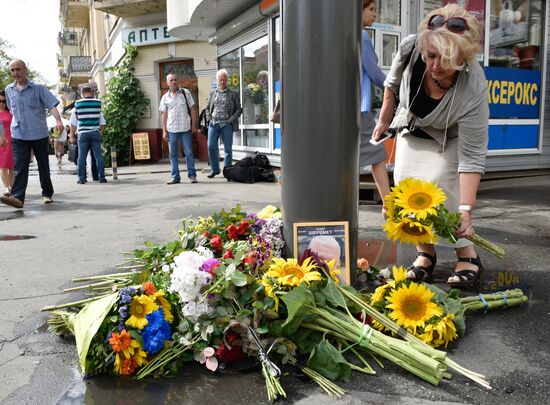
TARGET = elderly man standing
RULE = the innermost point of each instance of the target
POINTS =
(223, 112)
(178, 124)
(28, 102)
(87, 119)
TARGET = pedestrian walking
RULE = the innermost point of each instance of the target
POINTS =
(223, 112)
(28, 102)
(88, 120)
(6, 153)
(179, 123)
(371, 155)
(443, 125)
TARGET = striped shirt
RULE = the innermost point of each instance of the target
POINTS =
(88, 113)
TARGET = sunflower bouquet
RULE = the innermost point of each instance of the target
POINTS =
(416, 214)
(429, 313)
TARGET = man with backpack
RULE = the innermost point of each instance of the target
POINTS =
(178, 124)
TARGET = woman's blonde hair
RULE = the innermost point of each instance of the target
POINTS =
(449, 44)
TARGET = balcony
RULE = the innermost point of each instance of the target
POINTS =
(63, 76)
(79, 70)
(75, 13)
(67, 38)
(59, 60)
(130, 8)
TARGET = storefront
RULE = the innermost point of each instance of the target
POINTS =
(513, 56)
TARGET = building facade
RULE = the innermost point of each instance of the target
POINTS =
(247, 36)
(93, 38)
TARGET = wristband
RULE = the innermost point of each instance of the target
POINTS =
(465, 207)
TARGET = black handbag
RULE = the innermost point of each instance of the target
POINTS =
(203, 123)
(72, 152)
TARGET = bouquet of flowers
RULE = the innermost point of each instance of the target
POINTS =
(429, 313)
(255, 93)
(416, 214)
(222, 293)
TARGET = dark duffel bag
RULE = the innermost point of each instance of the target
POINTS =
(242, 174)
(261, 160)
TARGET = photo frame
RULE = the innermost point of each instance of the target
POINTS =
(328, 239)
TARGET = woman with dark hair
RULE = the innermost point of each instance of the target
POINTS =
(442, 125)
(6, 154)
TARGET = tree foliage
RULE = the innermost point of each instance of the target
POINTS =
(5, 58)
(123, 107)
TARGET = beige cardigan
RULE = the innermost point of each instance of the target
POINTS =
(463, 112)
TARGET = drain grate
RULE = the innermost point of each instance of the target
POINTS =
(16, 237)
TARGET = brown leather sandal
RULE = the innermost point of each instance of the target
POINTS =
(468, 277)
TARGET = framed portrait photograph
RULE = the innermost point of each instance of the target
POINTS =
(329, 240)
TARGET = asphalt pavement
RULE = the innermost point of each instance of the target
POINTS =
(89, 227)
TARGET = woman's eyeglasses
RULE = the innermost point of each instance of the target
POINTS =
(454, 24)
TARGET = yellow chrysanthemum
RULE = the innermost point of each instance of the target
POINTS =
(411, 306)
(289, 272)
(399, 273)
(140, 307)
(419, 198)
(269, 211)
(269, 291)
(164, 304)
(408, 231)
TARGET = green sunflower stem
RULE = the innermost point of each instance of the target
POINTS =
(327, 385)
(507, 298)
(488, 246)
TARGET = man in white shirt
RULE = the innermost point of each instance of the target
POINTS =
(179, 123)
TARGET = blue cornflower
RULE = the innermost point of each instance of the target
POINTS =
(156, 332)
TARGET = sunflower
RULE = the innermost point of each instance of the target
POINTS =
(399, 273)
(289, 272)
(126, 365)
(419, 198)
(408, 231)
(334, 273)
(411, 306)
(379, 294)
(141, 306)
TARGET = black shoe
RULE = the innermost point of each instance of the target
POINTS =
(103, 180)
(81, 182)
(173, 181)
(212, 175)
(421, 273)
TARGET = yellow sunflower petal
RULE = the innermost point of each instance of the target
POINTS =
(419, 198)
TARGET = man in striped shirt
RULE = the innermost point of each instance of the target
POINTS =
(87, 119)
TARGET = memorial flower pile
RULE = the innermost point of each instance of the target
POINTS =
(416, 214)
(222, 293)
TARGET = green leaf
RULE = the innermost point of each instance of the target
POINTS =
(440, 295)
(333, 295)
(328, 361)
(306, 339)
(298, 303)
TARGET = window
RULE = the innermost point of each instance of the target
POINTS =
(230, 62)
(389, 12)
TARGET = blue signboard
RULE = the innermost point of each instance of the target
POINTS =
(513, 136)
(513, 93)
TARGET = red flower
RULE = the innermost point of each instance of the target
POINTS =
(228, 254)
(231, 354)
(216, 242)
(250, 260)
(232, 232)
(149, 288)
(243, 227)
(206, 234)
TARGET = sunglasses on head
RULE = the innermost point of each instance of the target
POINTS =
(454, 24)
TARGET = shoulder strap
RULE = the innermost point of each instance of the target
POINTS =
(182, 89)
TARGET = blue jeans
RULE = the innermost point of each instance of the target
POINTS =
(214, 133)
(187, 142)
(87, 140)
(22, 156)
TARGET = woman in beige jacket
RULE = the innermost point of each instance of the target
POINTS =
(443, 124)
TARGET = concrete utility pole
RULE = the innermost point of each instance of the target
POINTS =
(320, 112)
